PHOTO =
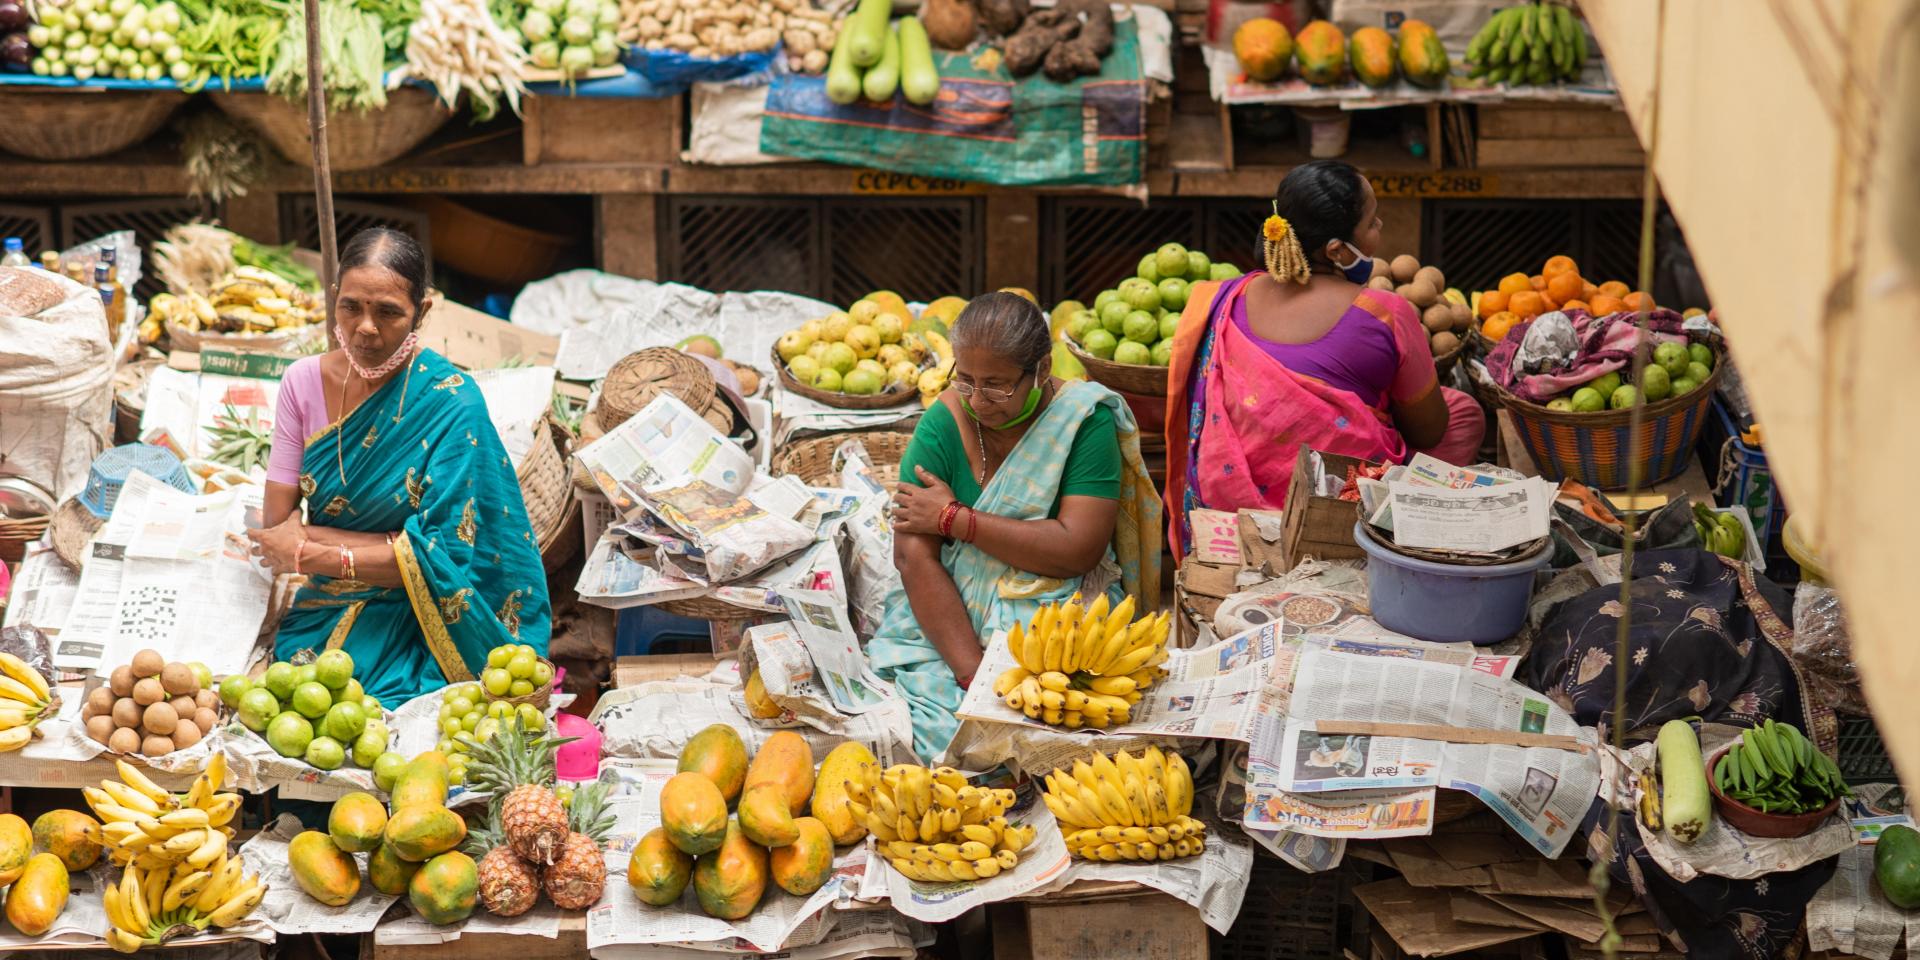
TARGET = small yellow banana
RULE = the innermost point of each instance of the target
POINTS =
(132, 777)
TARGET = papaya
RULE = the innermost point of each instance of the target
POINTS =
(1896, 864)
(419, 833)
(659, 870)
(326, 872)
(720, 755)
(1263, 48)
(730, 881)
(693, 813)
(388, 873)
(765, 816)
(1423, 58)
(16, 847)
(844, 763)
(758, 703)
(787, 760)
(35, 900)
(445, 888)
(1320, 49)
(70, 835)
(1372, 54)
(357, 822)
(423, 781)
(803, 865)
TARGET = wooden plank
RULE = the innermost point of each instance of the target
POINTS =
(601, 130)
(1196, 143)
(1559, 121)
(569, 945)
(1585, 181)
(1152, 926)
(1013, 258)
(1549, 152)
(1445, 734)
(626, 234)
(633, 671)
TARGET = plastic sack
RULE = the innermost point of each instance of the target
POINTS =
(56, 373)
(30, 645)
(666, 68)
(1551, 344)
(1823, 650)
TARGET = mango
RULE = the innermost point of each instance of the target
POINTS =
(693, 813)
(35, 900)
(1321, 51)
(730, 881)
(719, 754)
(326, 872)
(16, 847)
(419, 833)
(388, 873)
(1263, 48)
(70, 835)
(422, 782)
(357, 822)
(803, 865)
(787, 760)
(765, 816)
(659, 871)
(445, 888)
(844, 763)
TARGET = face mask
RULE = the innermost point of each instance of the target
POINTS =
(1032, 404)
(1361, 269)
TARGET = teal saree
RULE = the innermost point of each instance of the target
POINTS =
(421, 457)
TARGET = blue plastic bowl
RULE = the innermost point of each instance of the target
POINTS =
(1447, 602)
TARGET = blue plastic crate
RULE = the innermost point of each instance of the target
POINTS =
(643, 631)
(1740, 475)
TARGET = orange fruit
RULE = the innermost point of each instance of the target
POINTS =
(1566, 286)
(1559, 265)
(1614, 288)
(1496, 327)
(1492, 302)
(1537, 282)
(1515, 283)
(1606, 306)
(1588, 291)
(1528, 304)
(1637, 301)
(1576, 305)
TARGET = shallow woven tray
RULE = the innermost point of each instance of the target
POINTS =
(1140, 380)
(707, 608)
(812, 459)
(355, 141)
(77, 124)
(892, 397)
(639, 377)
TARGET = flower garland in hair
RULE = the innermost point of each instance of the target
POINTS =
(1286, 262)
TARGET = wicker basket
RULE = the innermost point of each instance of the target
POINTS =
(129, 383)
(1592, 447)
(540, 697)
(543, 483)
(707, 608)
(812, 459)
(1444, 363)
(1141, 381)
(16, 533)
(639, 377)
(891, 397)
(355, 141)
(78, 124)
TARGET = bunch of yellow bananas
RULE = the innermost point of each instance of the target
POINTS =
(1083, 665)
(933, 825)
(190, 310)
(25, 700)
(1127, 807)
(148, 907)
(933, 381)
(143, 825)
(249, 300)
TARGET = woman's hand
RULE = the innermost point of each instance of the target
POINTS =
(917, 509)
(278, 546)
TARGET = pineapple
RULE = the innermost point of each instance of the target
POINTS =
(578, 877)
(517, 769)
(509, 885)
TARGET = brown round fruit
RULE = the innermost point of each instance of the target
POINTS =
(185, 734)
(124, 740)
(160, 718)
(1380, 269)
(1381, 283)
(184, 706)
(148, 691)
(1437, 318)
(156, 745)
(101, 700)
(177, 679)
(126, 713)
(1432, 276)
(1404, 268)
(1444, 342)
(121, 681)
(206, 719)
(100, 728)
(207, 699)
(148, 663)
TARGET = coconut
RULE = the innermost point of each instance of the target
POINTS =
(148, 663)
(1404, 268)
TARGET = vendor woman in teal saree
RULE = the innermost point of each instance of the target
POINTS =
(416, 543)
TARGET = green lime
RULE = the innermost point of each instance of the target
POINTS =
(386, 769)
(233, 688)
(1588, 400)
(311, 700)
(289, 734)
(257, 708)
(280, 680)
(344, 721)
(1607, 383)
(1700, 353)
(326, 753)
(333, 669)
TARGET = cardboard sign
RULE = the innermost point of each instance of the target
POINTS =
(1216, 537)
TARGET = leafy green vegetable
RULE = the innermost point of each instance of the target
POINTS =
(353, 54)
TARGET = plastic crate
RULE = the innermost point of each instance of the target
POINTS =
(645, 631)
(1740, 476)
(1290, 915)
(1862, 757)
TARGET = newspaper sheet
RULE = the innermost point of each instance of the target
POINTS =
(853, 932)
(1478, 519)
(286, 909)
(669, 464)
(186, 406)
(655, 720)
(617, 575)
(1304, 851)
(1344, 815)
(820, 620)
(1850, 915)
(517, 398)
(177, 577)
(42, 593)
(1041, 866)
(1215, 882)
(790, 671)
(797, 413)
(410, 929)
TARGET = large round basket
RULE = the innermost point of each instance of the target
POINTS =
(546, 491)
(78, 123)
(16, 533)
(1137, 379)
(355, 140)
(1593, 447)
(639, 377)
(130, 398)
(707, 608)
(891, 397)
(813, 460)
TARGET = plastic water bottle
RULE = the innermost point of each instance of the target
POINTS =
(15, 255)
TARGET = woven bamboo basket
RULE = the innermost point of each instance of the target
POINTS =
(78, 124)
(543, 483)
(541, 696)
(355, 141)
(891, 397)
(130, 398)
(639, 377)
(812, 459)
(16, 533)
(707, 608)
(1144, 381)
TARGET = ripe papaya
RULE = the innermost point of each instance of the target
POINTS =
(445, 888)
(1423, 58)
(1263, 47)
(693, 813)
(357, 822)
(659, 870)
(70, 835)
(1373, 56)
(720, 755)
(803, 865)
(16, 847)
(787, 760)
(419, 833)
(423, 781)
(765, 816)
(844, 763)
(35, 900)
(730, 881)
(388, 873)
(1320, 49)
(758, 703)
(326, 872)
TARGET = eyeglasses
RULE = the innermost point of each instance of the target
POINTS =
(988, 394)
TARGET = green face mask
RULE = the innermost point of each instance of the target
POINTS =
(1033, 403)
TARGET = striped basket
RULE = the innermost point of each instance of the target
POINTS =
(1593, 447)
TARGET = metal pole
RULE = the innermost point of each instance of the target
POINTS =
(322, 172)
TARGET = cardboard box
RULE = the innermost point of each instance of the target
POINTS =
(476, 340)
(1316, 526)
(633, 671)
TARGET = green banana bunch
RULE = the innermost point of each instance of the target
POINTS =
(1533, 42)
(1720, 533)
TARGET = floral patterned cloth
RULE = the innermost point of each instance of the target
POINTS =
(1708, 640)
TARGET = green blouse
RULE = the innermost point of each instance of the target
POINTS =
(1092, 470)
